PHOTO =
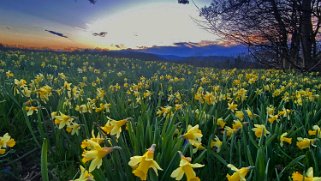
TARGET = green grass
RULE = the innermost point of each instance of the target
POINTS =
(42, 150)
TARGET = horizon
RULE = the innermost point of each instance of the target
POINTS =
(106, 25)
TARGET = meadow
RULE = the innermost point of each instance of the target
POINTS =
(84, 117)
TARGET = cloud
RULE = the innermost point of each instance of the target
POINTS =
(120, 46)
(101, 34)
(93, 1)
(149, 19)
(202, 48)
(184, 44)
(183, 1)
(56, 33)
(205, 43)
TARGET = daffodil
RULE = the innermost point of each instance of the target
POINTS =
(141, 164)
(103, 107)
(95, 154)
(20, 83)
(186, 167)
(260, 130)
(229, 131)
(62, 120)
(296, 176)
(239, 174)
(84, 175)
(232, 106)
(209, 98)
(147, 94)
(194, 136)
(220, 122)
(241, 94)
(239, 115)
(113, 127)
(9, 74)
(5, 142)
(31, 109)
(273, 118)
(82, 108)
(316, 131)
(283, 139)
(270, 110)
(44, 93)
(285, 113)
(73, 128)
(178, 107)
(165, 111)
(217, 143)
(304, 143)
(67, 85)
(26, 92)
(237, 125)
(98, 139)
(250, 113)
(53, 114)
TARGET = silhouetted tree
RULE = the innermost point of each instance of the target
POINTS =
(279, 33)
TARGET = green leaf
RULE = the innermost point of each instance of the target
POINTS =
(44, 161)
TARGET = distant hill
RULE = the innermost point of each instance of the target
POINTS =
(192, 50)
(222, 60)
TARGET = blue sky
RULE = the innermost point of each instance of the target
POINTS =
(109, 24)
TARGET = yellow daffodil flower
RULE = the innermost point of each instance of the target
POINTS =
(20, 83)
(62, 120)
(82, 108)
(250, 114)
(194, 136)
(316, 131)
(165, 111)
(113, 127)
(285, 113)
(141, 164)
(283, 139)
(44, 93)
(304, 143)
(185, 167)
(217, 143)
(103, 107)
(31, 109)
(229, 131)
(67, 85)
(9, 74)
(232, 106)
(296, 176)
(220, 122)
(84, 175)
(95, 154)
(260, 130)
(239, 174)
(98, 139)
(273, 118)
(73, 128)
(5, 142)
(239, 115)
(237, 125)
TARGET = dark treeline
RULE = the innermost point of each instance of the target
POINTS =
(280, 33)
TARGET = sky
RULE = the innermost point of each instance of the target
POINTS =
(108, 24)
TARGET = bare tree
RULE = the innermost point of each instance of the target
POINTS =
(279, 33)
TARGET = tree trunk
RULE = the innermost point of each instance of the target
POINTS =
(306, 33)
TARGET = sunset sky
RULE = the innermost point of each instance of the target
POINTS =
(108, 24)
